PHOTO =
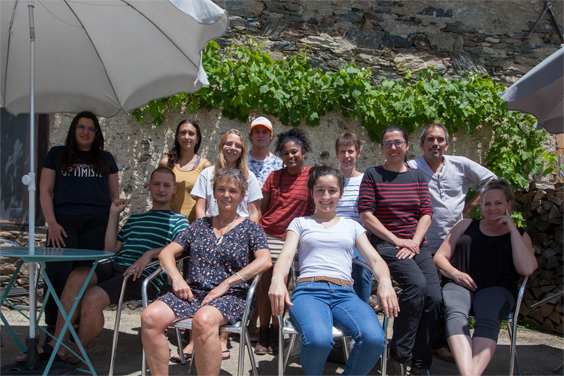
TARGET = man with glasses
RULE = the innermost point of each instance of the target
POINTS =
(449, 178)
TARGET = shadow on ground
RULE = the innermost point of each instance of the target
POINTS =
(538, 353)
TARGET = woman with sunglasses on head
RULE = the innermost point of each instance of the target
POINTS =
(324, 295)
(232, 154)
(285, 197)
(395, 205)
(79, 182)
(187, 165)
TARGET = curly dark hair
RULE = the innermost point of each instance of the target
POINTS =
(96, 156)
(297, 135)
(174, 153)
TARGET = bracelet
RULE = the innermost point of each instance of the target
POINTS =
(239, 275)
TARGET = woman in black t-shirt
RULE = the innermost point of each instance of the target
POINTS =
(482, 260)
(78, 183)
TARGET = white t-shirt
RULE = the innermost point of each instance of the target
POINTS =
(323, 251)
(347, 206)
(203, 189)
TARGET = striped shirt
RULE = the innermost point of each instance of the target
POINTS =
(146, 231)
(397, 199)
(289, 198)
(347, 207)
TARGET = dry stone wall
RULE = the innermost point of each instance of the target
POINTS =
(391, 36)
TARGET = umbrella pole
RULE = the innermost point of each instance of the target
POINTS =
(32, 361)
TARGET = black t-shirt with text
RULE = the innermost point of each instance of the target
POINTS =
(80, 191)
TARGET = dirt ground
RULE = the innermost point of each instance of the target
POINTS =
(538, 353)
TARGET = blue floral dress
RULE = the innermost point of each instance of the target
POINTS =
(210, 264)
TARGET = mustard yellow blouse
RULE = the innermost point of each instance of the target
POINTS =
(181, 201)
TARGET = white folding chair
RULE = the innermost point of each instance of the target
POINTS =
(286, 327)
(239, 328)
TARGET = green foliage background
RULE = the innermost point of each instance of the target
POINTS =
(245, 78)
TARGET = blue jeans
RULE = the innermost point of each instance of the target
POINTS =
(320, 305)
(362, 279)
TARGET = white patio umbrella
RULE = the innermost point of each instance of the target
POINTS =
(98, 55)
(539, 93)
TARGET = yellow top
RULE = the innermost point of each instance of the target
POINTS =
(181, 201)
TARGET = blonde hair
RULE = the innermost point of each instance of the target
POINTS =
(242, 162)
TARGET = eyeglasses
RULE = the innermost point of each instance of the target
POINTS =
(89, 129)
(230, 144)
(398, 144)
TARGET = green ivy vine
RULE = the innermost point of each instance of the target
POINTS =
(245, 79)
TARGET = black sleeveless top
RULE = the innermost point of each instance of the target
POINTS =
(491, 260)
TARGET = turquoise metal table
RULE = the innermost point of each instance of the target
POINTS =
(42, 255)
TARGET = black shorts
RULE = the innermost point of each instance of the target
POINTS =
(110, 279)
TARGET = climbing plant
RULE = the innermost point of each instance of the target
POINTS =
(245, 79)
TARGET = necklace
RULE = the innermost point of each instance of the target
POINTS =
(220, 239)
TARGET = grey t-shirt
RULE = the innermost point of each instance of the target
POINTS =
(448, 192)
(323, 251)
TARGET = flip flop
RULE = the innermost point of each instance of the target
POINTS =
(176, 358)
(223, 357)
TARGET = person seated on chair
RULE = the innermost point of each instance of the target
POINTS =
(324, 294)
(140, 240)
(226, 251)
(496, 252)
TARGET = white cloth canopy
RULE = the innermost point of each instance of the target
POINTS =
(104, 55)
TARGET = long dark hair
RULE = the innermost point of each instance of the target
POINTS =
(174, 153)
(95, 158)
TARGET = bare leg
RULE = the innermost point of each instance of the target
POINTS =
(154, 320)
(461, 346)
(263, 301)
(205, 328)
(483, 350)
(91, 318)
(72, 288)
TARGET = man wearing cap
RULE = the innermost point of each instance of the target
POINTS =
(261, 161)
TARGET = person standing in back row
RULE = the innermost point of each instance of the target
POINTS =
(79, 182)
(261, 161)
(347, 148)
(449, 178)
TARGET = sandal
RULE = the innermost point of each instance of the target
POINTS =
(223, 356)
(176, 358)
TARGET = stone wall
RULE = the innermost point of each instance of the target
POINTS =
(391, 36)
(542, 205)
(387, 36)
(138, 147)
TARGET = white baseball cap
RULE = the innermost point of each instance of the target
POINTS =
(261, 121)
